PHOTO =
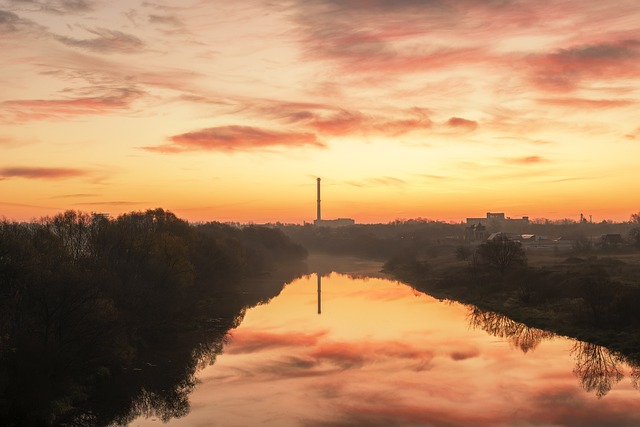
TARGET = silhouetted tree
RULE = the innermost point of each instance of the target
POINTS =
(597, 291)
(502, 254)
(89, 306)
(582, 244)
(634, 236)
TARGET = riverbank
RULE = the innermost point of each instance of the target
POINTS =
(592, 299)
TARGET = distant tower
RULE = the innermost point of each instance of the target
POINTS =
(318, 215)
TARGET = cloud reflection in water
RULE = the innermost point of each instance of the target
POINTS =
(380, 356)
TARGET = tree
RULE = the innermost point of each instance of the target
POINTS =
(597, 291)
(502, 254)
(634, 236)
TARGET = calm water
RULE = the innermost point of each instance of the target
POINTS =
(381, 354)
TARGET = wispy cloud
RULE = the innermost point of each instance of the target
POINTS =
(107, 41)
(74, 196)
(526, 160)
(59, 7)
(41, 173)
(235, 138)
(43, 109)
(334, 121)
(111, 203)
(588, 103)
(250, 341)
(170, 20)
(633, 135)
(13, 24)
(566, 69)
(349, 355)
(346, 122)
(384, 181)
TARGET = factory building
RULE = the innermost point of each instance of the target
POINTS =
(338, 222)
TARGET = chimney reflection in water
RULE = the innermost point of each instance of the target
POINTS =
(319, 291)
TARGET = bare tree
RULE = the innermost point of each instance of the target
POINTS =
(502, 254)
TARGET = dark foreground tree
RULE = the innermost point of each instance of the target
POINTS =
(634, 236)
(502, 254)
(105, 319)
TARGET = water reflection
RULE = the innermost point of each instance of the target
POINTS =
(319, 293)
(381, 355)
(518, 334)
(598, 369)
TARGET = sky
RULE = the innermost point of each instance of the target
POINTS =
(229, 111)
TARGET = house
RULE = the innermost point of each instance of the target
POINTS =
(475, 232)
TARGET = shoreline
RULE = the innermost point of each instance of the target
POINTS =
(561, 316)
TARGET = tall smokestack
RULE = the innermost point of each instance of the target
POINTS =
(318, 215)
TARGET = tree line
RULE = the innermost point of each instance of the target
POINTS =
(90, 306)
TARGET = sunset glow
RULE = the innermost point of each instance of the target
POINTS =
(228, 111)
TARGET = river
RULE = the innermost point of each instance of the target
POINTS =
(339, 350)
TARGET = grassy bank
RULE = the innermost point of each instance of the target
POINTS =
(593, 298)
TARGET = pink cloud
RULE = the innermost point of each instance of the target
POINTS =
(464, 355)
(41, 173)
(249, 341)
(565, 69)
(352, 355)
(633, 135)
(235, 138)
(52, 109)
(460, 123)
(587, 103)
(329, 120)
(526, 160)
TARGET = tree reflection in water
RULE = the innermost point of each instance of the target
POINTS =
(518, 334)
(597, 368)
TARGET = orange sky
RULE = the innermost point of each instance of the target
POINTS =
(228, 111)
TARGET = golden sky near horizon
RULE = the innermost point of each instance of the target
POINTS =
(228, 111)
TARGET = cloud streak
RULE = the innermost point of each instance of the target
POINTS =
(249, 341)
(52, 109)
(566, 69)
(526, 160)
(235, 138)
(335, 121)
(106, 41)
(41, 173)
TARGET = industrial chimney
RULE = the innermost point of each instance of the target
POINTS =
(318, 215)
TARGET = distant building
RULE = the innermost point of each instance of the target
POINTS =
(475, 232)
(498, 218)
(319, 222)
